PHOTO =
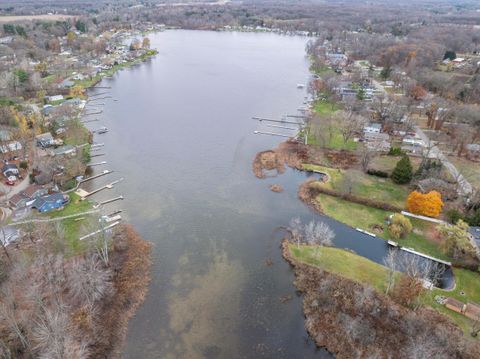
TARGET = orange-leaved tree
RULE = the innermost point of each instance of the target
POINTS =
(429, 204)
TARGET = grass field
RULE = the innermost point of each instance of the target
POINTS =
(365, 217)
(387, 163)
(364, 185)
(362, 270)
(469, 169)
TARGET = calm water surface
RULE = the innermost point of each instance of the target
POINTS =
(181, 134)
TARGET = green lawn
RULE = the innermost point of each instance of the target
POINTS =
(364, 185)
(365, 217)
(339, 261)
(387, 163)
(362, 270)
(72, 226)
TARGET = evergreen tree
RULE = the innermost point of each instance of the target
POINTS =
(403, 172)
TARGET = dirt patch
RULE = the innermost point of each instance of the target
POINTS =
(354, 321)
(341, 159)
(276, 188)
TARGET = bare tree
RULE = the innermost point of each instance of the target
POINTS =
(296, 230)
(318, 234)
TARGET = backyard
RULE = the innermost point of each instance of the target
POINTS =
(362, 270)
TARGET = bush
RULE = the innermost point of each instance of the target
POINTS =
(23, 165)
(396, 151)
(377, 173)
(69, 184)
(403, 171)
(429, 204)
(454, 215)
(400, 226)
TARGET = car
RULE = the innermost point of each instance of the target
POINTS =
(11, 181)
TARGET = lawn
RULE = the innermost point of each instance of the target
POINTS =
(72, 226)
(365, 217)
(387, 163)
(362, 270)
(470, 170)
(339, 261)
(364, 185)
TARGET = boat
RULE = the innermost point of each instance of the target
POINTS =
(102, 130)
(300, 86)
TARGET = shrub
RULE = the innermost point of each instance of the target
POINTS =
(23, 165)
(396, 151)
(454, 215)
(378, 173)
(403, 172)
(429, 204)
(400, 226)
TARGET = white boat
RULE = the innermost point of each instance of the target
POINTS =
(300, 86)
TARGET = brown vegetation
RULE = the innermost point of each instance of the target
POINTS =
(57, 307)
(353, 321)
(276, 188)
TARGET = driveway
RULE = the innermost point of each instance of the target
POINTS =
(10, 191)
(464, 187)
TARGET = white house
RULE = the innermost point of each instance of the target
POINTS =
(372, 128)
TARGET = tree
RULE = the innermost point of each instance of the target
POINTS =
(417, 92)
(80, 26)
(429, 204)
(295, 229)
(146, 43)
(318, 234)
(391, 262)
(9, 29)
(403, 171)
(76, 91)
(449, 54)
(20, 30)
(457, 240)
(400, 226)
(71, 38)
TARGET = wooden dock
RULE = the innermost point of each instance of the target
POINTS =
(278, 121)
(97, 164)
(100, 230)
(119, 198)
(285, 127)
(105, 172)
(271, 134)
(84, 194)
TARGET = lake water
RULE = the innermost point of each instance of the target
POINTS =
(182, 136)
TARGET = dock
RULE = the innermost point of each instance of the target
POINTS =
(271, 134)
(365, 232)
(105, 172)
(84, 194)
(410, 250)
(100, 230)
(285, 127)
(278, 121)
(119, 198)
(97, 164)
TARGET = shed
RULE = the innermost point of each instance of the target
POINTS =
(472, 311)
(455, 305)
(44, 139)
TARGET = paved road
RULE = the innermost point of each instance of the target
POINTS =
(464, 188)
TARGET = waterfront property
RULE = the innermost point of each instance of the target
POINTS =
(50, 202)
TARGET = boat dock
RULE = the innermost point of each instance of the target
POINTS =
(97, 164)
(410, 250)
(271, 134)
(84, 194)
(100, 230)
(285, 127)
(278, 121)
(119, 198)
(105, 172)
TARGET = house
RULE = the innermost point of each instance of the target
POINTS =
(372, 128)
(455, 305)
(413, 141)
(44, 140)
(65, 84)
(18, 200)
(378, 141)
(55, 98)
(50, 202)
(66, 150)
(11, 147)
(10, 169)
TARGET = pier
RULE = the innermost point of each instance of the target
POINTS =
(100, 230)
(278, 121)
(97, 164)
(119, 198)
(271, 134)
(105, 172)
(285, 127)
(410, 250)
(84, 194)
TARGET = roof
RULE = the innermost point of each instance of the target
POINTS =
(455, 303)
(63, 150)
(55, 197)
(8, 234)
(30, 190)
(9, 166)
(475, 232)
(374, 125)
(44, 136)
(16, 198)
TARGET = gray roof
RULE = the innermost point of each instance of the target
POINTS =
(475, 232)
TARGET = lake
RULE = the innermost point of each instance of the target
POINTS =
(181, 134)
